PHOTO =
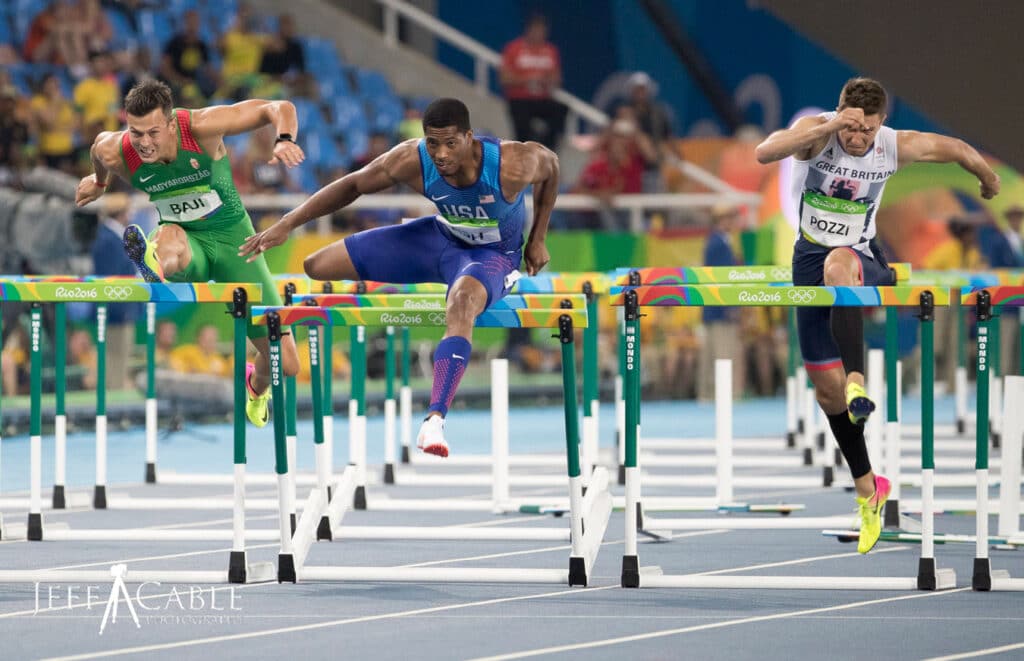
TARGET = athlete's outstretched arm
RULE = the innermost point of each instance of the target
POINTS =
(218, 121)
(806, 137)
(104, 155)
(917, 147)
(398, 165)
(545, 190)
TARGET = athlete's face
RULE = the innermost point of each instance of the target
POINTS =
(153, 136)
(449, 149)
(858, 139)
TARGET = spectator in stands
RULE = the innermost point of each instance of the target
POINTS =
(282, 52)
(531, 70)
(616, 167)
(203, 357)
(1007, 249)
(109, 259)
(721, 325)
(186, 59)
(254, 173)
(14, 363)
(411, 126)
(97, 32)
(54, 37)
(97, 97)
(166, 341)
(14, 137)
(378, 144)
(654, 119)
(242, 48)
(56, 122)
(81, 361)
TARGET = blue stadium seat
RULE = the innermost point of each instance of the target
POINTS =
(309, 115)
(386, 113)
(322, 59)
(22, 14)
(348, 115)
(357, 141)
(6, 35)
(124, 33)
(372, 83)
(305, 176)
(156, 28)
(322, 150)
(238, 144)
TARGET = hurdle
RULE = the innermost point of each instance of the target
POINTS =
(632, 298)
(984, 578)
(237, 296)
(498, 460)
(321, 519)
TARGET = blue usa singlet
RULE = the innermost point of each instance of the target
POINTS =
(477, 215)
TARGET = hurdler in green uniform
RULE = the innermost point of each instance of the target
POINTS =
(178, 158)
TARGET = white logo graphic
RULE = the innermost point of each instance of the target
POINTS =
(436, 318)
(468, 265)
(145, 179)
(746, 275)
(760, 297)
(782, 274)
(75, 292)
(438, 199)
(116, 590)
(801, 295)
(117, 292)
(400, 319)
(411, 304)
(455, 355)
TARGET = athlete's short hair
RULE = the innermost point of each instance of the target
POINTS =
(442, 113)
(864, 93)
(146, 97)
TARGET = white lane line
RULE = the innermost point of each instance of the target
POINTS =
(977, 653)
(704, 627)
(548, 549)
(320, 625)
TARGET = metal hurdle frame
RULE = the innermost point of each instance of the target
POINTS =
(238, 296)
(929, 577)
(589, 515)
(984, 578)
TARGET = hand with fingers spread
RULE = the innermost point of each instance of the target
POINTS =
(287, 152)
(263, 241)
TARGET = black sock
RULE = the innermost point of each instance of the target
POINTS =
(851, 442)
(848, 331)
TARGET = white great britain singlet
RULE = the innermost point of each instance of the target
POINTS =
(838, 193)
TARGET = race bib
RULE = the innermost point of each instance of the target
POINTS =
(475, 231)
(831, 221)
(188, 207)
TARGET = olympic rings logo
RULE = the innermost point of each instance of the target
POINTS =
(436, 318)
(117, 292)
(801, 296)
(782, 274)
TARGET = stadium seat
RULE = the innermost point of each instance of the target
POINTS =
(347, 115)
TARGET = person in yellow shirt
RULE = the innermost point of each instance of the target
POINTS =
(56, 122)
(97, 97)
(203, 357)
(242, 48)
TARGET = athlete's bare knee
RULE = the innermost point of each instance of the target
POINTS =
(314, 265)
(289, 356)
(841, 269)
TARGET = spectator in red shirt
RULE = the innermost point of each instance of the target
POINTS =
(617, 166)
(531, 70)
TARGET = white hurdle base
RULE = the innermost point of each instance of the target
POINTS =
(945, 579)
(434, 575)
(259, 572)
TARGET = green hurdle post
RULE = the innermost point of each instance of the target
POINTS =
(982, 576)
(60, 343)
(327, 341)
(151, 404)
(239, 311)
(357, 413)
(35, 515)
(389, 407)
(926, 571)
(285, 559)
(591, 388)
(99, 498)
(324, 529)
(892, 507)
(290, 404)
(631, 387)
(794, 423)
(405, 395)
(577, 565)
(995, 431)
